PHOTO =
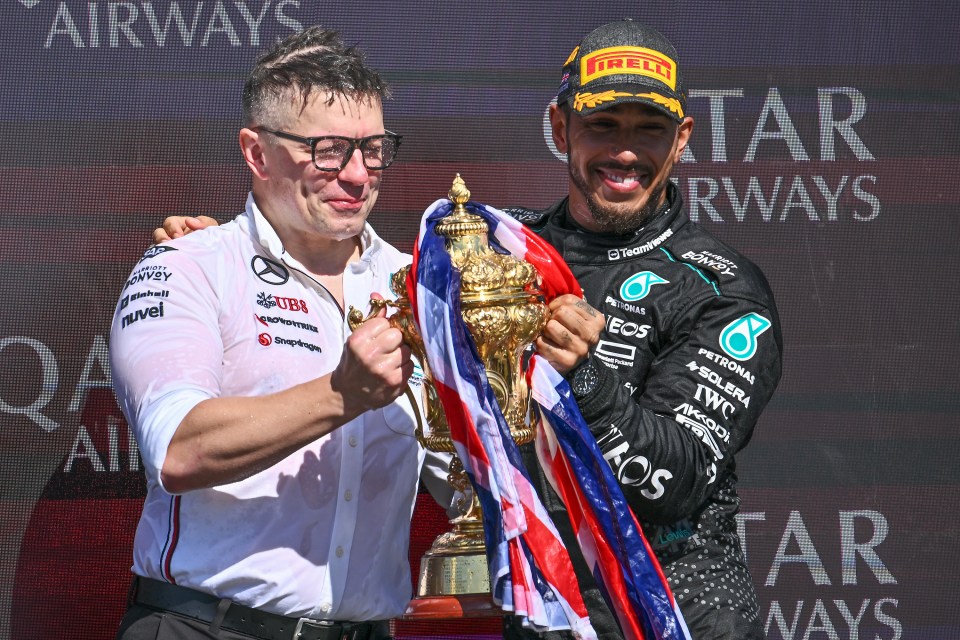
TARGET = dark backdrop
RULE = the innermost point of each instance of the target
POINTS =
(825, 148)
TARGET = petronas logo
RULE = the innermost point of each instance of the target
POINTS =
(739, 338)
(637, 286)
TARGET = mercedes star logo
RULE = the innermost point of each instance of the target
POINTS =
(269, 271)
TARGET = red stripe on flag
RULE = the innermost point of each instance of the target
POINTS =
(613, 578)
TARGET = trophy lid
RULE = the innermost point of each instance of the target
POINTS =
(460, 222)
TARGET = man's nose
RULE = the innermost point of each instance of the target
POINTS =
(355, 171)
(623, 151)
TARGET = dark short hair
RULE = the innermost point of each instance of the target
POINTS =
(314, 59)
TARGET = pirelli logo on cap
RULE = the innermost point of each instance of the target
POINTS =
(628, 60)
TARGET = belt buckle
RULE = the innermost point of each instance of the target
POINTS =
(322, 625)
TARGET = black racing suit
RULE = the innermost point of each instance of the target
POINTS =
(690, 355)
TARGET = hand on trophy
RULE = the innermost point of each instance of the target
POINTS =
(375, 365)
(573, 329)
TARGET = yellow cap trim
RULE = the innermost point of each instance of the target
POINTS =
(587, 100)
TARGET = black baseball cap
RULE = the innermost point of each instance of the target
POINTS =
(623, 61)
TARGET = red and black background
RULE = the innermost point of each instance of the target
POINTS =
(840, 119)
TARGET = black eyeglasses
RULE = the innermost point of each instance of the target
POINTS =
(332, 153)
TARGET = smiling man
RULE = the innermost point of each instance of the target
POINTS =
(280, 456)
(691, 349)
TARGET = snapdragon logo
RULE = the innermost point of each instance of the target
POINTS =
(739, 338)
(181, 23)
(637, 286)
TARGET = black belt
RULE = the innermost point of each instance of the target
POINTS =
(253, 622)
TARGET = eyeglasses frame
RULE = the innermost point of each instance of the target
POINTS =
(355, 143)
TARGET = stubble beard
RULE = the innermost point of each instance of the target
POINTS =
(618, 219)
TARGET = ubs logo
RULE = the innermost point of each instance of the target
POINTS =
(269, 301)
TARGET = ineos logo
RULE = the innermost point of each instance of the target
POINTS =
(628, 329)
(269, 271)
(633, 470)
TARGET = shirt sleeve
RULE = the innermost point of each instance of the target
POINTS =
(433, 475)
(166, 351)
(668, 441)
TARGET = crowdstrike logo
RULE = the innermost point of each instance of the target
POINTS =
(181, 23)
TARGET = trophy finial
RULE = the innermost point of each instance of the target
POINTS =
(459, 193)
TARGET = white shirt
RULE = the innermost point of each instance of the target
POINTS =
(324, 533)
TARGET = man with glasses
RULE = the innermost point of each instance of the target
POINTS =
(281, 462)
(689, 351)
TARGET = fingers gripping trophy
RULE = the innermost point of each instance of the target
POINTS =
(504, 311)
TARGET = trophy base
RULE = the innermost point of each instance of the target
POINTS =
(454, 577)
(476, 605)
(454, 583)
(453, 572)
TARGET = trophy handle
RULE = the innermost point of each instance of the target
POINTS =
(355, 318)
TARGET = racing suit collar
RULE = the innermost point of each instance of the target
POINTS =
(587, 246)
(264, 233)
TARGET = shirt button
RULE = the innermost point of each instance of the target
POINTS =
(352, 440)
(325, 607)
(348, 495)
(339, 552)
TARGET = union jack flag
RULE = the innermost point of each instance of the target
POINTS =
(530, 570)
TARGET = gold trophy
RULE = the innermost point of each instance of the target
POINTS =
(504, 311)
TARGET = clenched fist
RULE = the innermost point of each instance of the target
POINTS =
(375, 366)
(573, 329)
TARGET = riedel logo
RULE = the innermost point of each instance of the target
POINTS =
(181, 23)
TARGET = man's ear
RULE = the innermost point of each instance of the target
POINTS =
(684, 131)
(558, 126)
(251, 146)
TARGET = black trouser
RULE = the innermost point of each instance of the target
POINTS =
(162, 611)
